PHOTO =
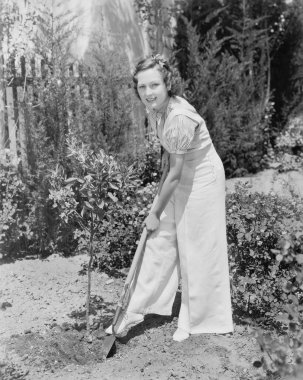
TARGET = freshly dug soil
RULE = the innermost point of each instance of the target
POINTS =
(43, 337)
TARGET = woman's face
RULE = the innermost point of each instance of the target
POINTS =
(152, 89)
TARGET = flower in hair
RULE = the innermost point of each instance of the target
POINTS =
(159, 60)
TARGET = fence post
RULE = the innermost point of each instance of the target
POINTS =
(22, 130)
(2, 119)
(12, 126)
(2, 104)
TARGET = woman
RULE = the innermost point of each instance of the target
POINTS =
(187, 221)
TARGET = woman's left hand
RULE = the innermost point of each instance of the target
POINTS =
(151, 222)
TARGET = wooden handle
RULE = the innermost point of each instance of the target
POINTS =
(125, 292)
(137, 256)
(139, 251)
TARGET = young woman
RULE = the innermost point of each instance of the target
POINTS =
(187, 228)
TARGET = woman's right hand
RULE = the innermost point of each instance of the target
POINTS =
(151, 222)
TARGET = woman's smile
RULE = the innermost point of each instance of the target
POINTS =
(152, 89)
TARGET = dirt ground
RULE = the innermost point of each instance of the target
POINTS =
(41, 332)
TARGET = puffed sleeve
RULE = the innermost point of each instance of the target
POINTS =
(179, 134)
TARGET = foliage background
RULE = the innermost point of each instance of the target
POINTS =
(230, 55)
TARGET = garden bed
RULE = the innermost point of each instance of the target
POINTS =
(41, 332)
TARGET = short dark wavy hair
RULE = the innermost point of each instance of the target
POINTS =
(171, 76)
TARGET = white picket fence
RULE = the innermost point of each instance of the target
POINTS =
(20, 100)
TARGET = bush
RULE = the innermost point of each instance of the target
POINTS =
(289, 146)
(120, 234)
(26, 220)
(283, 353)
(257, 226)
(265, 239)
(116, 233)
(84, 197)
(231, 97)
(122, 230)
(13, 208)
(145, 160)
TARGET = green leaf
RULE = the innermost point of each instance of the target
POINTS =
(71, 180)
(112, 197)
(299, 258)
(275, 251)
(252, 253)
(113, 186)
(88, 205)
(101, 205)
(279, 257)
(92, 200)
(282, 318)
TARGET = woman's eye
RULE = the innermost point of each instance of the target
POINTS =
(154, 85)
(140, 87)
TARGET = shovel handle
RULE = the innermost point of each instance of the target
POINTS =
(115, 320)
(139, 251)
(137, 257)
(125, 292)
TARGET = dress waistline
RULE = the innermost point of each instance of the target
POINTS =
(198, 153)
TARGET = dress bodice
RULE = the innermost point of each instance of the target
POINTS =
(179, 128)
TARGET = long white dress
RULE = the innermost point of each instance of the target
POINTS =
(191, 241)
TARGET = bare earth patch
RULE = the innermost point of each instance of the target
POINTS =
(42, 337)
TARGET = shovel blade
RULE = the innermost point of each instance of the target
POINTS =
(108, 345)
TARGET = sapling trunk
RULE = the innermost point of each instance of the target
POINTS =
(89, 272)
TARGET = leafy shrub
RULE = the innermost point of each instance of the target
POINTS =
(288, 162)
(265, 238)
(288, 148)
(283, 354)
(118, 228)
(83, 198)
(145, 159)
(13, 208)
(83, 195)
(230, 94)
(292, 136)
(122, 229)
(121, 232)
(115, 236)
(26, 220)
(261, 275)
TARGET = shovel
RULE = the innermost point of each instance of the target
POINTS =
(124, 298)
(125, 295)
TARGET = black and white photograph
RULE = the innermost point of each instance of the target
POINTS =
(151, 189)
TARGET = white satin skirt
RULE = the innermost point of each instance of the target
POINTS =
(190, 245)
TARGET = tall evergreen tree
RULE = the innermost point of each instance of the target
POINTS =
(2, 84)
(158, 18)
(286, 67)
